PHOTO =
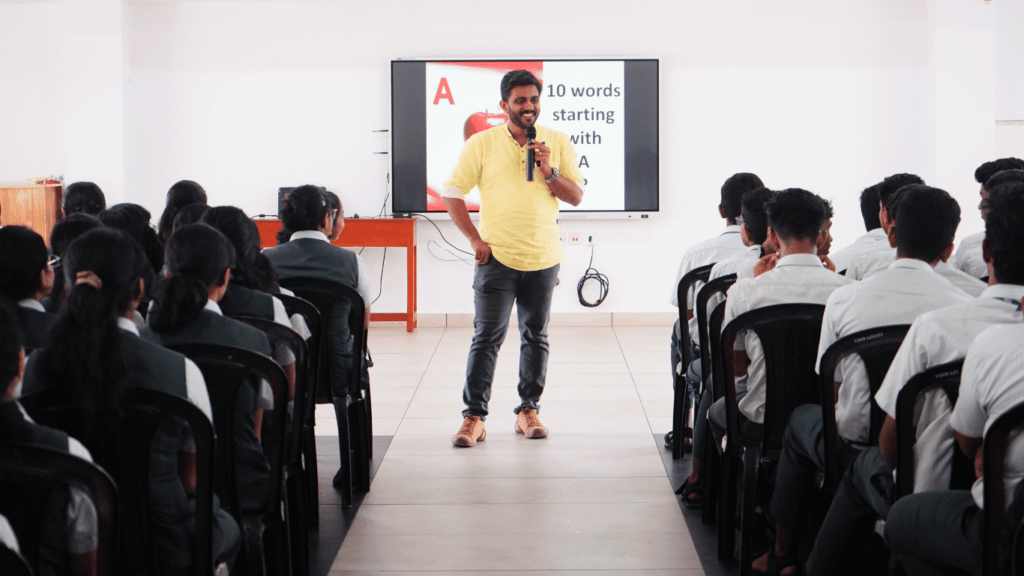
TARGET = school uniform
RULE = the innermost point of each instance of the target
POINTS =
(968, 257)
(309, 254)
(876, 238)
(935, 338)
(33, 323)
(251, 467)
(242, 301)
(875, 261)
(897, 295)
(796, 279)
(932, 531)
(727, 244)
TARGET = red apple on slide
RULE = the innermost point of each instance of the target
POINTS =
(480, 121)
(435, 203)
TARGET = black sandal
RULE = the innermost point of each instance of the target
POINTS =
(685, 490)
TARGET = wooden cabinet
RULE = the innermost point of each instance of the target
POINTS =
(36, 207)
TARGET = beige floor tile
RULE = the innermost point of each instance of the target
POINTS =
(519, 491)
(671, 572)
(464, 463)
(501, 443)
(590, 425)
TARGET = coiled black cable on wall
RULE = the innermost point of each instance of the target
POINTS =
(592, 274)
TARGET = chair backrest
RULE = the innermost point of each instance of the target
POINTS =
(295, 305)
(333, 298)
(35, 479)
(226, 369)
(283, 335)
(789, 336)
(131, 442)
(13, 563)
(876, 348)
(686, 283)
(996, 534)
(945, 377)
(715, 342)
(718, 286)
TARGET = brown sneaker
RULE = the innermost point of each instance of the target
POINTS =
(528, 424)
(472, 430)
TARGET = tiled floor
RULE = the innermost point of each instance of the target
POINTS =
(594, 498)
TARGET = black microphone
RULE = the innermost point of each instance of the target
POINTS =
(531, 133)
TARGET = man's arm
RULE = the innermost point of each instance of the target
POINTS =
(562, 188)
(460, 215)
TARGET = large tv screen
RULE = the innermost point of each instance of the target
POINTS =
(608, 108)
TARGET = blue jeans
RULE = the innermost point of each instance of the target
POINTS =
(495, 288)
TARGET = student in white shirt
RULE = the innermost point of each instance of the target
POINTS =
(876, 236)
(879, 256)
(727, 244)
(935, 338)
(968, 255)
(925, 225)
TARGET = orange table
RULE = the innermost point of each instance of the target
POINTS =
(371, 232)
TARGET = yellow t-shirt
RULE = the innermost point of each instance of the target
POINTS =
(517, 218)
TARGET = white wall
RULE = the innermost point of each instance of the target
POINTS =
(245, 96)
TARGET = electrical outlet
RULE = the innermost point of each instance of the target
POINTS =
(563, 239)
(575, 239)
(591, 240)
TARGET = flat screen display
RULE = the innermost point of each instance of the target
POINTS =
(607, 108)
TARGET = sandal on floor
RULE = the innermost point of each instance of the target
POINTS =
(685, 490)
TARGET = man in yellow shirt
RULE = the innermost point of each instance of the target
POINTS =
(517, 250)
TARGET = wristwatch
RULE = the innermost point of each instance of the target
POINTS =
(554, 176)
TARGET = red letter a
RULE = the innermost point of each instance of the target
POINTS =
(444, 91)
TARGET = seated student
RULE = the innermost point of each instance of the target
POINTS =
(191, 214)
(881, 255)
(876, 236)
(83, 197)
(95, 354)
(936, 337)
(181, 194)
(925, 225)
(795, 222)
(133, 220)
(729, 243)
(968, 255)
(940, 532)
(69, 538)
(768, 261)
(753, 222)
(185, 311)
(64, 232)
(26, 277)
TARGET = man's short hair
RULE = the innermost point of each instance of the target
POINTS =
(1001, 178)
(869, 207)
(755, 213)
(989, 169)
(1004, 231)
(733, 190)
(888, 187)
(84, 197)
(795, 213)
(517, 78)
(926, 222)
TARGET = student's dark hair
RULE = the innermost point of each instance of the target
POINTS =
(517, 78)
(181, 194)
(133, 220)
(190, 214)
(84, 358)
(64, 232)
(989, 169)
(196, 257)
(1004, 230)
(12, 428)
(869, 207)
(334, 203)
(795, 213)
(829, 211)
(83, 197)
(755, 213)
(23, 257)
(926, 222)
(304, 209)
(1000, 179)
(241, 231)
(265, 275)
(733, 190)
(888, 187)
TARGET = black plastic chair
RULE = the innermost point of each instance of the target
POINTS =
(295, 487)
(789, 336)
(295, 305)
(130, 442)
(945, 377)
(226, 370)
(31, 475)
(13, 563)
(997, 536)
(353, 409)
(682, 425)
(876, 348)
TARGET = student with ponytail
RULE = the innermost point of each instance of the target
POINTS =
(26, 277)
(95, 355)
(185, 310)
(181, 194)
(64, 232)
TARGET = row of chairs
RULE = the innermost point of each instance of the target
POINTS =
(275, 540)
(789, 335)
